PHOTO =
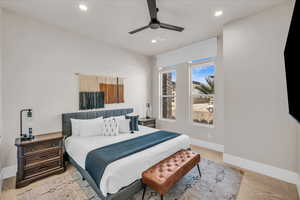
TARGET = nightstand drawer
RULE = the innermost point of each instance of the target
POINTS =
(42, 168)
(147, 123)
(150, 125)
(41, 156)
(43, 145)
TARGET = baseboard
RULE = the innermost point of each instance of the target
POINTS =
(8, 172)
(298, 187)
(268, 170)
(207, 145)
(1, 181)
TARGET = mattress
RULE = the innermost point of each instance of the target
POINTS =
(125, 171)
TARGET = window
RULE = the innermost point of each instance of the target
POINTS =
(168, 95)
(202, 92)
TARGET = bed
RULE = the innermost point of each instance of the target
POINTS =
(121, 178)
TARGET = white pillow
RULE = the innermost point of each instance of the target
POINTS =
(89, 127)
(124, 126)
(110, 127)
(122, 117)
(119, 119)
(75, 126)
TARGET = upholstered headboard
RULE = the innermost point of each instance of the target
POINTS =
(66, 117)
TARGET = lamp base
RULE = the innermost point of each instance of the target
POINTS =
(27, 138)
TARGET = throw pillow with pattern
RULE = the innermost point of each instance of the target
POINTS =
(110, 127)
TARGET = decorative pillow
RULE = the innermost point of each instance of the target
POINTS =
(124, 126)
(134, 126)
(88, 127)
(110, 127)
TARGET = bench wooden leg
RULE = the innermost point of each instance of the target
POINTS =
(199, 170)
(144, 192)
(161, 197)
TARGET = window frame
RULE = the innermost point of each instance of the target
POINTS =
(161, 96)
(191, 66)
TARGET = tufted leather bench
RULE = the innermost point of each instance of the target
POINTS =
(162, 176)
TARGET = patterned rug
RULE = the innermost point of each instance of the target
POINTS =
(218, 182)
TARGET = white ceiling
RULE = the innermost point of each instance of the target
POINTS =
(111, 20)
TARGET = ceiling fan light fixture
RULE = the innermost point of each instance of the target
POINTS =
(154, 22)
(218, 13)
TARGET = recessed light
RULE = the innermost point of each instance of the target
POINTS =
(218, 13)
(83, 7)
(154, 41)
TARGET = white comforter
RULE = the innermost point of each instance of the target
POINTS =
(125, 171)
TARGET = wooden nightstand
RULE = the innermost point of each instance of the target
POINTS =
(38, 158)
(151, 122)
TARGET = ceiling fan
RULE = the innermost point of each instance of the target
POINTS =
(154, 23)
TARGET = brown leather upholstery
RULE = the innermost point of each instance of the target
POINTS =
(162, 176)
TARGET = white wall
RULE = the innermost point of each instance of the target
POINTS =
(38, 72)
(1, 124)
(202, 49)
(183, 123)
(257, 124)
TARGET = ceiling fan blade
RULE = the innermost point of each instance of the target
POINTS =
(152, 8)
(171, 27)
(139, 29)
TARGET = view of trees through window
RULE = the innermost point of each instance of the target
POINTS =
(203, 91)
(168, 96)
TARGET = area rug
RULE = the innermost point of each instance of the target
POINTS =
(218, 182)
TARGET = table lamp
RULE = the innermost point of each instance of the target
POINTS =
(25, 136)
